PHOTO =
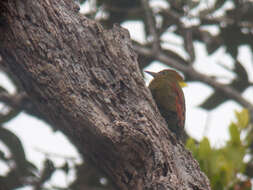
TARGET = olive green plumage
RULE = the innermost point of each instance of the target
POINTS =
(166, 89)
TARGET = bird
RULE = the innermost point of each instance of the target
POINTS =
(166, 88)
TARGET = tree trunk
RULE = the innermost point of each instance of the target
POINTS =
(86, 80)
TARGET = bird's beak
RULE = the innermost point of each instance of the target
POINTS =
(153, 74)
(182, 84)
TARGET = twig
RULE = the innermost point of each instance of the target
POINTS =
(12, 100)
(20, 101)
(55, 155)
(228, 91)
(188, 44)
(151, 25)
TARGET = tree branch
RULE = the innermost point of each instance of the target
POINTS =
(21, 102)
(190, 71)
(151, 25)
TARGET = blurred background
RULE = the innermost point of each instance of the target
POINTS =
(208, 41)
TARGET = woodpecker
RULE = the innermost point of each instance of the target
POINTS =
(166, 89)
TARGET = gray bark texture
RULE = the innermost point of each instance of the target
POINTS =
(86, 81)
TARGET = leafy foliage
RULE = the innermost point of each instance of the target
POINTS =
(225, 166)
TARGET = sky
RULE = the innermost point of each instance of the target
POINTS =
(39, 139)
(213, 124)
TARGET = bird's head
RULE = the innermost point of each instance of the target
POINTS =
(169, 75)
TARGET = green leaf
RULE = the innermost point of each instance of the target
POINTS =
(242, 118)
(234, 134)
(190, 144)
(204, 148)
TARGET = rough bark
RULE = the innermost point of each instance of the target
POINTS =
(86, 81)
